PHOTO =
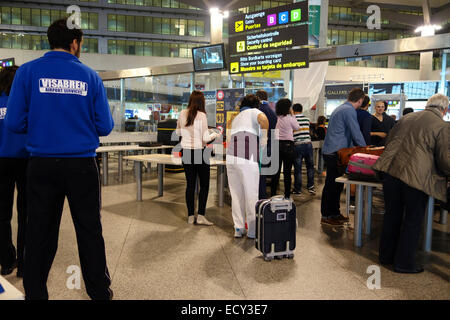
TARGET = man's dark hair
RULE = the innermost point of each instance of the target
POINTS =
(297, 107)
(365, 102)
(251, 101)
(407, 110)
(282, 107)
(262, 95)
(356, 94)
(385, 105)
(60, 36)
(6, 79)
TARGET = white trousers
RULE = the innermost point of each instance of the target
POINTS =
(243, 181)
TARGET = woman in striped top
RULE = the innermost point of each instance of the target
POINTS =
(284, 132)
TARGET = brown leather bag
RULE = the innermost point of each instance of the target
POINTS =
(344, 154)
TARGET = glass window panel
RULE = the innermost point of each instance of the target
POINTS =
(183, 5)
(139, 2)
(139, 24)
(165, 52)
(192, 28)
(15, 16)
(371, 36)
(5, 40)
(363, 37)
(165, 27)
(16, 41)
(112, 23)
(130, 24)
(120, 23)
(184, 51)
(157, 3)
(26, 16)
(157, 49)
(121, 47)
(112, 49)
(174, 50)
(174, 4)
(129, 1)
(349, 35)
(174, 26)
(166, 3)
(130, 48)
(342, 13)
(148, 49)
(44, 43)
(329, 37)
(200, 28)
(335, 13)
(93, 21)
(182, 27)
(26, 42)
(148, 3)
(266, 4)
(356, 37)
(334, 38)
(55, 15)
(84, 20)
(157, 25)
(342, 37)
(6, 15)
(139, 48)
(36, 42)
(148, 25)
(45, 18)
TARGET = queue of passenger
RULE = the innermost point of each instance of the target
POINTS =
(49, 161)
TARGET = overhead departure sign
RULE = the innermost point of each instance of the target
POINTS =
(281, 60)
(269, 18)
(268, 40)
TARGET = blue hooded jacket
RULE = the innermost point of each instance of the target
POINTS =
(62, 106)
(12, 145)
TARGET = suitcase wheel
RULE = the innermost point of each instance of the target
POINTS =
(279, 257)
(266, 258)
(290, 256)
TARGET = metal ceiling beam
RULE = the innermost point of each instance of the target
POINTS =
(386, 47)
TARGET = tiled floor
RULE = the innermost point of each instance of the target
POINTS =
(153, 254)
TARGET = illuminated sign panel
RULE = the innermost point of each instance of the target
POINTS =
(269, 18)
(280, 60)
(6, 63)
(269, 40)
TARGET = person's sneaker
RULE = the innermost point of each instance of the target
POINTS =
(239, 233)
(341, 218)
(251, 236)
(296, 192)
(331, 222)
(191, 219)
(8, 270)
(312, 190)
(202, 220)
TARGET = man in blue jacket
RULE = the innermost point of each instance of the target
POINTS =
(61, 105)
(343, 132)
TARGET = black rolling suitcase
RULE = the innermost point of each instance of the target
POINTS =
(276, 228)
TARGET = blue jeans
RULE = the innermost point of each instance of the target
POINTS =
(303, 151)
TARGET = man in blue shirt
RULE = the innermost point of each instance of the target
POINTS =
(61, 105)
(272, 117)
(13, 165)
(343, 132)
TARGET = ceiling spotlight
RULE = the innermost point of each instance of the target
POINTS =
(214, 10)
